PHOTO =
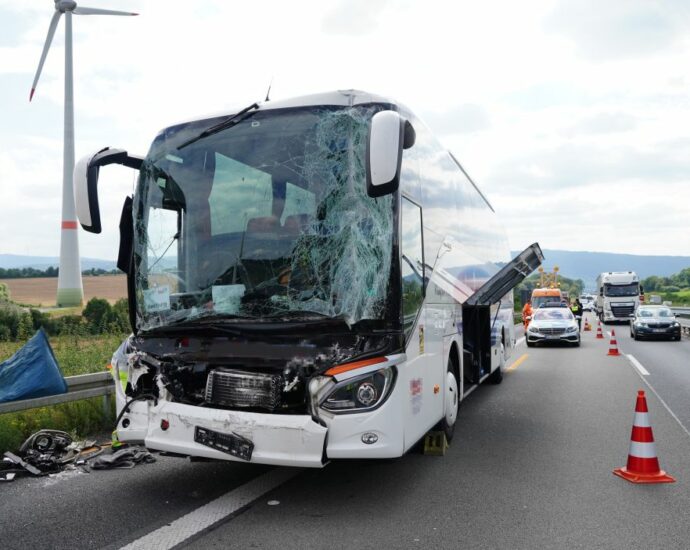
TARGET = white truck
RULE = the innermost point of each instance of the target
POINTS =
(618, 295)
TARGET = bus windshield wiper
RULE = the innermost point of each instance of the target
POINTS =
(223, 125)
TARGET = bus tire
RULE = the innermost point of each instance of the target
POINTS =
(451, 403)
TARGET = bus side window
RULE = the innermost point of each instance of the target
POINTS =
(412, 263)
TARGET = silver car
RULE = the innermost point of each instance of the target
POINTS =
(555, 324)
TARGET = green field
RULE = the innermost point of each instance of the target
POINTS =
(75, 355)
(680, 298)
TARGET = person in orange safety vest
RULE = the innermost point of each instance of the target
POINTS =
(527, 313)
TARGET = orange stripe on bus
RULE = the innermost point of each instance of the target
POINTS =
(355, 365)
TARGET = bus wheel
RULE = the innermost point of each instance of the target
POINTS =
(451, 403)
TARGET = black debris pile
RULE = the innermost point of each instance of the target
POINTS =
(52, 451)
(123, 458)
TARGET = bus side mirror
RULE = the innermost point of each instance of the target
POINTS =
(389, 134)
(86, 184)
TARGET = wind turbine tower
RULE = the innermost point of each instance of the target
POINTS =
(70, 291)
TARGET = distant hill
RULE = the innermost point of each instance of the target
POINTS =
(574, 265)
(11, 261)
(587, 265)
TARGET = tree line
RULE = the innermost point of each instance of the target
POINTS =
(673, 283)
(97, 317)
(30, 272)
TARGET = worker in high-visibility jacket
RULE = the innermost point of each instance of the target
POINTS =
(577, 309)
(527, 313)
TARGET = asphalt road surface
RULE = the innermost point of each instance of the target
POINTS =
(530, 467)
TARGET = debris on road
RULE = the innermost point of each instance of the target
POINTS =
(52, 451)
(123, 458)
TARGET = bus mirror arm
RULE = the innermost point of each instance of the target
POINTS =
(86, 183)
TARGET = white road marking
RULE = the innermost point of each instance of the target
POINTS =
(635, 363)
(202, 518)
(519, 341)
(663, 403)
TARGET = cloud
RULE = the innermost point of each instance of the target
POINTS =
(619, 30)
(464, 119)
(574, 164)
(353, 17)
(603, 123)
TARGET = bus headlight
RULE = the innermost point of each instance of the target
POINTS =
(361, 393)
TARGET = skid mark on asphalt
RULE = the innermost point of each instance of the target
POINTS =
(517, 362)
(215, 511)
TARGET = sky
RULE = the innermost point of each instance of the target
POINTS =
(573, 117)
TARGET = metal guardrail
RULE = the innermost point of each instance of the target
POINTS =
(79, 387)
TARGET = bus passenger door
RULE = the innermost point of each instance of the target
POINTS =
(480, 339)
(423, 343)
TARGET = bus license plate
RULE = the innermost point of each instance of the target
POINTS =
(232, 443)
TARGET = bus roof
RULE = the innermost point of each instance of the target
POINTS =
(333, 98)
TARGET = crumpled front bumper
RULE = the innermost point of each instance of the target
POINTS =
(293, 440)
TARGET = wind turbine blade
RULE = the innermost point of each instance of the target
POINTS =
(46, 47)
(98, 11)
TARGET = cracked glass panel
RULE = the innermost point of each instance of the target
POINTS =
(266, 219)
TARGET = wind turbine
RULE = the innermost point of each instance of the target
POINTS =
(70, 291)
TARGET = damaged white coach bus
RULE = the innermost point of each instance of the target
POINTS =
(308, 280)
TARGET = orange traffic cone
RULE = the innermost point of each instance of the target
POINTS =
(643, 464)
(613, 345)
(600, 335)
(587, 325)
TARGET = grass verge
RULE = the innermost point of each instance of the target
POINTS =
(75, 355)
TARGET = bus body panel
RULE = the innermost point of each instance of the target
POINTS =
(462, 246)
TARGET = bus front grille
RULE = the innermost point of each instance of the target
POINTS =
(236, 388)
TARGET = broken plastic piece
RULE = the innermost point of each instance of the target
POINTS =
(124, 458)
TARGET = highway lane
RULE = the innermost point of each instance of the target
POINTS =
(668, 364)
(530, 467)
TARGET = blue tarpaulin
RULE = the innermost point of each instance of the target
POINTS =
(31, 372)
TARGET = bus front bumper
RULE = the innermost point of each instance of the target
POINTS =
(285, 440)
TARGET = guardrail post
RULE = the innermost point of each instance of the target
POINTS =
(107, 406)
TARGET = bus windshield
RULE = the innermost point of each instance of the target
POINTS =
(632, 289)
(267, 218)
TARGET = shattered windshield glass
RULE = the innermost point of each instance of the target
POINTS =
(269, 218)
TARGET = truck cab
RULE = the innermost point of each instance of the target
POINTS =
(543, 295)
(619, 294)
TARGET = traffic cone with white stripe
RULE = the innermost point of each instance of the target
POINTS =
(643, 464)
(613, 345)
(600, 335)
